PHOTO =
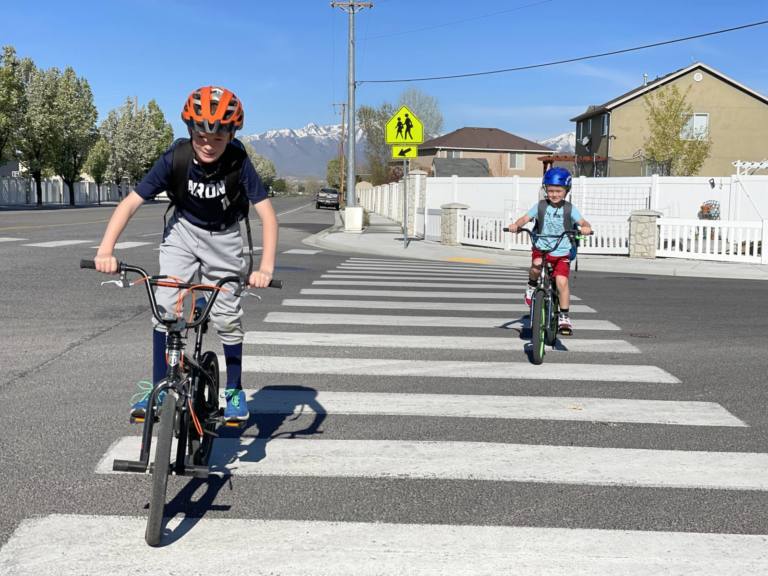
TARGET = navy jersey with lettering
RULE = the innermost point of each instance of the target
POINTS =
(553, 226)
(207, 198)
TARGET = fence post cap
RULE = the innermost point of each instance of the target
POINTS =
(646, 213)
(455, 206)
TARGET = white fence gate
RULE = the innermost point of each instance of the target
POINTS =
(713, 240)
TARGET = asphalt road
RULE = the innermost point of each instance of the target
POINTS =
(73, 351)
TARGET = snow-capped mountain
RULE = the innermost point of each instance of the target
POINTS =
(302, 152)
(565, 143)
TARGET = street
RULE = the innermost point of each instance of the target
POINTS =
(397, 424)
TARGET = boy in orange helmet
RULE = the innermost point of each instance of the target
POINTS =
(212, 183)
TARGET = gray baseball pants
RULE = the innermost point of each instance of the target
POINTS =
(187, 252)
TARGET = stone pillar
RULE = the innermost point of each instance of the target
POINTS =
(449, 223)
(643, 233)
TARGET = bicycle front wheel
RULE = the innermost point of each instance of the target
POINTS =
(538, 327)
(161, 469)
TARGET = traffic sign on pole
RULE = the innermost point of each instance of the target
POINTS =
(400, 152)
(404, 128)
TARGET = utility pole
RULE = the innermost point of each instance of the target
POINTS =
(351, 7)
(341, 147)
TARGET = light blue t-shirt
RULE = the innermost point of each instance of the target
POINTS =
(553, 226)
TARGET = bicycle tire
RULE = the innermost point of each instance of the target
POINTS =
(161, 470)
(206, 407)
(553, 309)
(538, 327)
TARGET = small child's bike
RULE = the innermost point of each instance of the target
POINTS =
(545, 303)
(185, 403)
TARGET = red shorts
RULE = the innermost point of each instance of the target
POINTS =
(561, 265)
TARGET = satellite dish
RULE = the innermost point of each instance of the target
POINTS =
(585, 141)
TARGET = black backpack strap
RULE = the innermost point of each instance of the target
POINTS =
(567, 219)
(181, 157)
(238, 201)
(541, 211)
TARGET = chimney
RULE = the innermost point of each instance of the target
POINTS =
(645, 79)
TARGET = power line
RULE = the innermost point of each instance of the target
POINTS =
(569, 60)
(529, 5)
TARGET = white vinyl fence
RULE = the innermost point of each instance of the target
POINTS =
(22, 191)
(607, 203)
(713, 240)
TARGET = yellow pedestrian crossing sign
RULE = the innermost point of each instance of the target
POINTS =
(400, 152)
(404, 128)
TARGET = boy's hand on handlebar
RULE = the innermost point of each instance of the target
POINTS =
(586, 230)
(512, 227)
(106, 263)
(259, 279)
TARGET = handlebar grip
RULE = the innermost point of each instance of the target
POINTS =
(275, 283)
(88, 264)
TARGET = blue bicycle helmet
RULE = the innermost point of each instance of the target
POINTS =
(557, 177)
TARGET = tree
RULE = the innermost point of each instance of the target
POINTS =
(372, 122)
(672, 144)
(280, 185)
(74, 128)
(163, 131)
(426, 108)
(263, 166)
(12, 101)
(37, 125)
(97, 163)
(137, 136)
(333, 173)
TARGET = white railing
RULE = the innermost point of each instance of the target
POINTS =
(23, 191)
(713, 240)
(481, 229)
(611, 235)
(433, 225)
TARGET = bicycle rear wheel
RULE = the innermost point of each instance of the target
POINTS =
(161, 469)
(538, 327)
(206, 408)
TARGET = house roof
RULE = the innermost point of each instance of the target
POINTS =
(483, 139)
(660, 81)
(466, 167)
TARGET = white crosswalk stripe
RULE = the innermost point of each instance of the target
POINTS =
(517, 284)
(301, 251)
(402, 305)
(492, 462)
(443, 321)
(353, 340)
(468, 280)
(9, 239)
(456, 369)
(477, 295)
(287, 401)
(58, 243)
(126, 245)
(317, 548)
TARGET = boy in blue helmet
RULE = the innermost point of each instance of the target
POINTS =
(556, 214)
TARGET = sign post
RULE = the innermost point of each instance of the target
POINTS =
(404, 131)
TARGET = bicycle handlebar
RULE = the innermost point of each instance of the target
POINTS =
(570, 233)
(123, 268)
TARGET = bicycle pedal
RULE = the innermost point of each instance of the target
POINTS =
(235, 423)
(137, 420)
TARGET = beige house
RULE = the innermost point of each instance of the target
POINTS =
(610, 137)
(505, 153)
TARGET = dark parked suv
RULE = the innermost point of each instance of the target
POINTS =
(327, 197)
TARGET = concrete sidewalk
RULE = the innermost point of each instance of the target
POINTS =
(384, 237)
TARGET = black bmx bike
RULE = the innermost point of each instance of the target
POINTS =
(185, 404)
(545, 303)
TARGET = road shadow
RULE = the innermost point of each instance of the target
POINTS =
(272, 409)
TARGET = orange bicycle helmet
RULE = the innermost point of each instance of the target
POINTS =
(213, 109)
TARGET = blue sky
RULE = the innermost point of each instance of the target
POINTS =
(287, 59)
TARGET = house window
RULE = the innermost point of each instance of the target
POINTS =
(453, 153)
(516, 161)
(578, 130)
(589, 128)
(696, 127)
(604, 127)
